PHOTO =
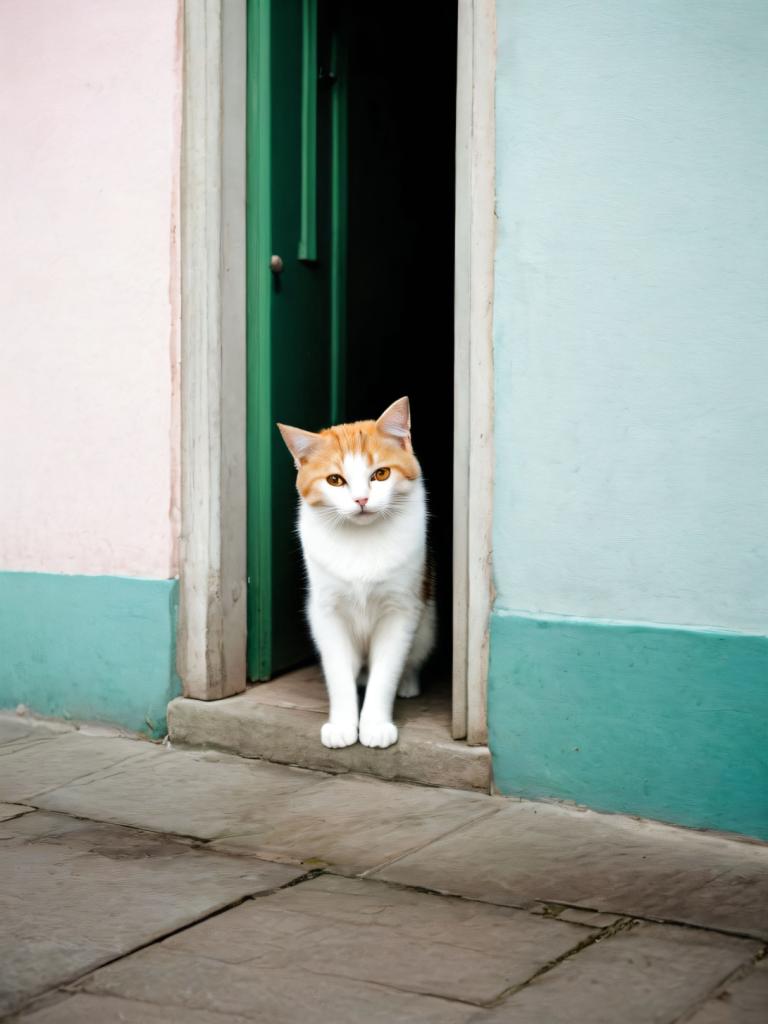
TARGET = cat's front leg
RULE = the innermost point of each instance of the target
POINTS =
(390, 643)
(341, 662)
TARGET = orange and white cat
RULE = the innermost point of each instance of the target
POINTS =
(363, 526)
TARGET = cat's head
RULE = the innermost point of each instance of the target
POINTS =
(358, 472)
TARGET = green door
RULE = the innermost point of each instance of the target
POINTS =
(294, 312)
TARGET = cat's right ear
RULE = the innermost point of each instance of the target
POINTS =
(396, 422)
(299, 442)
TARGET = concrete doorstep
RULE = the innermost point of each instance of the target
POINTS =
(280, 721)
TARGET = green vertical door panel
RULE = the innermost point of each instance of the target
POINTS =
(289, 348)
(308, 235)
(339, 202)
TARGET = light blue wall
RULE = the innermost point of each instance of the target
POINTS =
(631, 360)
(631, 309)
(94, 648)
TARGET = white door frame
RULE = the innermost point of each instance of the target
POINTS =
(212, 614)
(212, 624)
(473, 375)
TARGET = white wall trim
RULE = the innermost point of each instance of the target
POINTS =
(212, 623)
(473, 387)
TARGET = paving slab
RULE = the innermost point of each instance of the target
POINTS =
(292, 995)
(183, 793)
(354, 823)
(367, 932)
(15, 727)
(74, 894)
(33, 769)
(651, 973)
(344, 950)
(743, 1001)
(280, 721)
(87, 1009)
(13, 746)
(530, 851)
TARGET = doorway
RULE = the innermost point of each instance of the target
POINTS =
(351, 130)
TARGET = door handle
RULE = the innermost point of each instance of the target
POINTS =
(276, 264)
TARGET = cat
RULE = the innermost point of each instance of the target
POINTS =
(363, 526)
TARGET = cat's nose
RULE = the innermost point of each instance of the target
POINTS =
(362, 502)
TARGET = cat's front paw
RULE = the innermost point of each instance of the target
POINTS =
(378, 733)
(339, 734)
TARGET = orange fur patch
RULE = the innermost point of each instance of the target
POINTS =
(361, 438)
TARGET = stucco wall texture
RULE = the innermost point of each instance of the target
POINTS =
(631, 311)
(90, 121)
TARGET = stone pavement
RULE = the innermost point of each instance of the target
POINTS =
(153, 886)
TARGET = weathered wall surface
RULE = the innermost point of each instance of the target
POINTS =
(90, 132)
(632, 311)
(90, 129)
(631, 316)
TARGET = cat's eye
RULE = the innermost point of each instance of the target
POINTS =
(335, 480)
(381, 474)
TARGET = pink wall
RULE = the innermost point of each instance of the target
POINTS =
(90, 120)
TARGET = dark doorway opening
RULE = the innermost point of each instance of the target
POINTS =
(352, 132)
(400, 244)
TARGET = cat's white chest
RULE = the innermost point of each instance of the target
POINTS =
(362, 571)
(358, 556)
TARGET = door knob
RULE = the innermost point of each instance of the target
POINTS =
(276, 264)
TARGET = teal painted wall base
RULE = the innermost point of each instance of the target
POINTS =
(660, 722)
(98, 648)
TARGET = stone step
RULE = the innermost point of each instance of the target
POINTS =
(280, 721)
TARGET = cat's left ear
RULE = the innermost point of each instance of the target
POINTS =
(300, 443)
(396, 422)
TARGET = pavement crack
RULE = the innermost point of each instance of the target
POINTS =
(188, 841)
(389, 987)
(52, 997)
(306, 877)
(622, 925)
(436, 839)
(675, 923)
(96, 775)
(18, 814)
(429, 891)
(528, 904)
(736, 975)
(139, 997)
(77, 982)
